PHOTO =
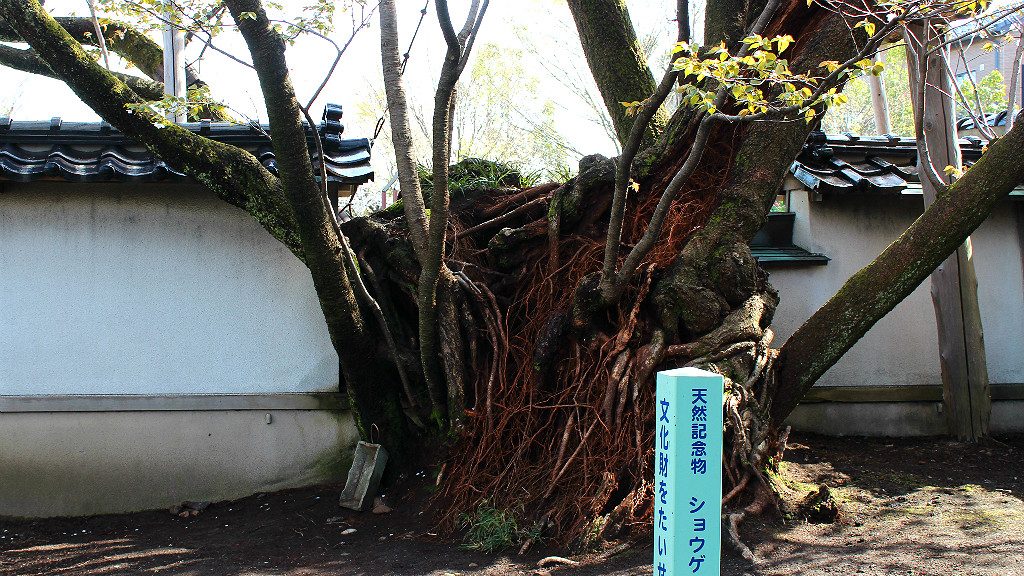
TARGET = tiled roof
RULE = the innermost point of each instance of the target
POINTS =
(843, 164)
(773, 244)
(786, 256)
(991, 119)
(96, 152)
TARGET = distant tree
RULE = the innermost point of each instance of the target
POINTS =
(990, 93)
(502, 116)
(857, 117)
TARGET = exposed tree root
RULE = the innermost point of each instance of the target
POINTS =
(558, 399)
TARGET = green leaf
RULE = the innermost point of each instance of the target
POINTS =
(830, 65)
(868, 27)
(783, 42)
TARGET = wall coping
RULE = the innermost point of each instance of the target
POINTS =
(932, 393)
(174, 402)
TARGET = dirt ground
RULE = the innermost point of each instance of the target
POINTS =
(909, 508)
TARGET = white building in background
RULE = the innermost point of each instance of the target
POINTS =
(157, 345)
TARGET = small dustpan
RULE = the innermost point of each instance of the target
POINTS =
(364, 476)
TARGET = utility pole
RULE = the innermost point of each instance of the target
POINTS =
(878, 100)
(174, 61)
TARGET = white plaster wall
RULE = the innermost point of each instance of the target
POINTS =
(997, 262)
(151, 289)
(894, 418)
(901, 348)
(82, 463)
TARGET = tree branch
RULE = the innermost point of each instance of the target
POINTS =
(623, 167)
(632, 262)
(432, 265)
(401, 131)
(27, 60)
(326, 248)
(919, 61)
(683, 20)
(122, 39)
(1011, 115)
(616, 61)
(132, 45)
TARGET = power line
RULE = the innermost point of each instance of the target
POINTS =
(401, 70)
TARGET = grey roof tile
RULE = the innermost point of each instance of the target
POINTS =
(849, 164)
(95, 152)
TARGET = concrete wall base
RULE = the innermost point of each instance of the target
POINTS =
(894, 418)
(83, 463)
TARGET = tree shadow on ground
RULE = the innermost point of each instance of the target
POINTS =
(909, 507)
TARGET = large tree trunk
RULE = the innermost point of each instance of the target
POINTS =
(616, 60)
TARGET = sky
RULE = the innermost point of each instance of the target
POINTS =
(545, 24)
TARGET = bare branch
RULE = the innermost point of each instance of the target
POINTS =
(197, 26)
(1011, 115)
(339, 52)
(977, 117)
(469, 32)
(99, 33)
(401, 132)
(623, 168)
(917, 55)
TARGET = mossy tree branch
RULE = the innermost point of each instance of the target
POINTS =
(122, 39)
(324, 247)
(716, 271)
(27, 60)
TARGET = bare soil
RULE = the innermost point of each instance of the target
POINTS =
(908, 508)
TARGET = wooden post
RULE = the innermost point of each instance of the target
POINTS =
(965, 387)
(878, 100)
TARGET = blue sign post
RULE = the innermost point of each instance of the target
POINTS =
(688, 473)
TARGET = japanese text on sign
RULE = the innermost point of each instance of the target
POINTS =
(688, 473)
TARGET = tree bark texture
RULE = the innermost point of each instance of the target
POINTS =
(616, 60)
